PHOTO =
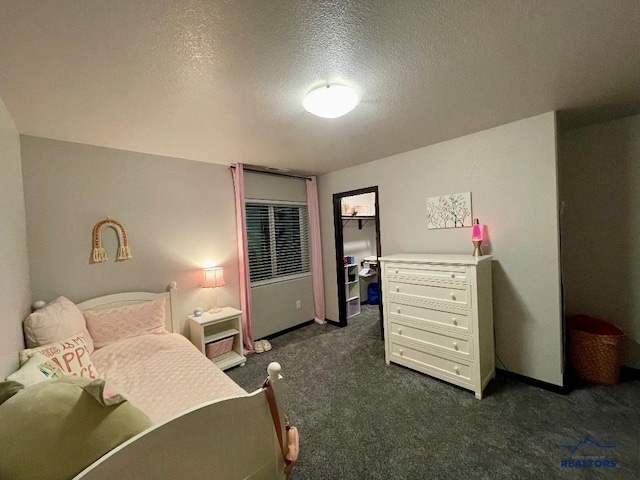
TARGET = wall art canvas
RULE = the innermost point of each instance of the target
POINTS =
(449, 211)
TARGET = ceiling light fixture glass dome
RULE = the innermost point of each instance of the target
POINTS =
(331, 101)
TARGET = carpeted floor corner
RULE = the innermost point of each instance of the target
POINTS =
(361, 419)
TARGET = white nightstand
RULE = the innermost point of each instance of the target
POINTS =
(213, 327)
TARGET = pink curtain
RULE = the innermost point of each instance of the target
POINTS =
(316, 250)
(243, 258)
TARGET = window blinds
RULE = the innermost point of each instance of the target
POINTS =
(278, 241)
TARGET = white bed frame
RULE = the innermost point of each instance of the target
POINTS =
(225, 439)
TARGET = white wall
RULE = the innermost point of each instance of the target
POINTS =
(178, 214)
(266, 186)
(14, 265)
(511, 172)
(274, 306)
(599, 173)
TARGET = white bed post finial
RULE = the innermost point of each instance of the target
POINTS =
(273, 370)
(39, 304)
(172, 286)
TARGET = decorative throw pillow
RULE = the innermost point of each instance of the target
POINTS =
(114, 324)
(57, 428)
(71, 355)
(54, 322)
(37, 369)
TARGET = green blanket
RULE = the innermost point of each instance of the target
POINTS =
(55, 429)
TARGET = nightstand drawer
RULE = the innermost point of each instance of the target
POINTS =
(455, 320)
(442, 366)
(459, 346)
(432, 272)
(454, 294)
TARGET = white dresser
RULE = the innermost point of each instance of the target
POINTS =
(438, 316)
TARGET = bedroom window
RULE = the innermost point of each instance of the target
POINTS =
(278, 242)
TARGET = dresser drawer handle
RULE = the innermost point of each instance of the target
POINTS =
(455, 345)
(398, 309)
(454, 320)
(400, 352)
(399, 331)
(453, 296)
(396, 270)
(397, 289)
(457, 370)
(453, 275)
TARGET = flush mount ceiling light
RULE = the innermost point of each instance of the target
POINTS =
(331, 101)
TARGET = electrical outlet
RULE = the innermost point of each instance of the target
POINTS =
(298, 304)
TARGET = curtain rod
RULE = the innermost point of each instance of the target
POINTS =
(282, 174)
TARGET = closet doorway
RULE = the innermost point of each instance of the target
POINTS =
(356, 219)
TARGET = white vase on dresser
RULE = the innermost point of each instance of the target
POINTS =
(438, 316)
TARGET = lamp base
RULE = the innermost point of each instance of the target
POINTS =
(214, 303)
(477, 249)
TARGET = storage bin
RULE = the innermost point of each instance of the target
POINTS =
(215, 349)
(595, 349)
(353, 307)
(373, 294)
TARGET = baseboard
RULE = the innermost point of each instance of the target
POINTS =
(572, 381)
(562, 390)
(629, 373)
(333, 322)
(290, 329)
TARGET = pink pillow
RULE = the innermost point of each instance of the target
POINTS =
(71, 355)
(114, 324)
(55, 322)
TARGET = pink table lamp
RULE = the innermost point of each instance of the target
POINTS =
(212, 278)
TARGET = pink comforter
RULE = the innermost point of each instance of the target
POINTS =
(162, 374)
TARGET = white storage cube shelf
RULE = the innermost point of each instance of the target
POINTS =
(352, 289)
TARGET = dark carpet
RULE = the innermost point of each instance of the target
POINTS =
(361, 419)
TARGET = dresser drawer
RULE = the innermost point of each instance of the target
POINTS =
(456, 321)
(449, 368)
(453, 293)
(460, 346)
(433, 272)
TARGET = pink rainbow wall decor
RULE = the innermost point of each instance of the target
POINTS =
(99, 253)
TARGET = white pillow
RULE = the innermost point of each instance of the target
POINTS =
(56, 321)
(37, 369)
(71, 355)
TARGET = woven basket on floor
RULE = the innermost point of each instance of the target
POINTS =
(595, 349)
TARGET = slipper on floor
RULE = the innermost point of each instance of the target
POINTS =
(266, 346)
(257, 347)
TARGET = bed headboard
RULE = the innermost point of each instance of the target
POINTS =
(130, 298)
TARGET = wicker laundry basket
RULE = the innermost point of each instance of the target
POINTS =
(595, 349)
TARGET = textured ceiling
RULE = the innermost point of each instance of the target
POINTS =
(223, 81)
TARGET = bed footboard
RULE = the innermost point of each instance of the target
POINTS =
(226, 439)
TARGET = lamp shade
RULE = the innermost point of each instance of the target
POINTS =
(212, 277)
(331, 101)
(477, 231)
